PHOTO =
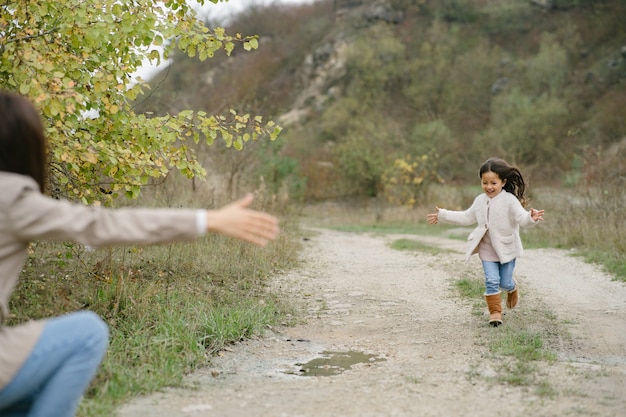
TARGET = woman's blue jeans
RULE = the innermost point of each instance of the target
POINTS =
(498, 275)
(59, 369)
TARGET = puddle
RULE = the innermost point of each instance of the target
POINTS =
(334, 363)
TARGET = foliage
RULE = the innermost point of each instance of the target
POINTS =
(522, 128)
(363, 154)
(361, 164)
(75, 59)
(429, 72)
(415, 245)
(408, 179)
(547, 71)
(457, 11)
(374, 62)
(280, 172)
(531, 85)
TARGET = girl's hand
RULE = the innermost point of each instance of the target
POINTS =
(434, 217)
(238, 221)
(536, 215)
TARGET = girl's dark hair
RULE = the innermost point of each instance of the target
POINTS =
(23, 146)
(514, 181)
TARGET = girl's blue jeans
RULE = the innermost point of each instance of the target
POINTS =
(59, 369)
(498, 275)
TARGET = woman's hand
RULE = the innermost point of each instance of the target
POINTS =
(434, 217)
(536, 215)
(238, 221)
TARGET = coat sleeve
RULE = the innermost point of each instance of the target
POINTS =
(461, 218)
(34, 216)
(519, 215)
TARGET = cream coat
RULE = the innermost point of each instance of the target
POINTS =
(27, 215)
(502, 215)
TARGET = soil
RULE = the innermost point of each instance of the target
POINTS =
(427, 347)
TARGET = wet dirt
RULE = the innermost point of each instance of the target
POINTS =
(401, 309)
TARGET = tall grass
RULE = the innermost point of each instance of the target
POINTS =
(590, 221)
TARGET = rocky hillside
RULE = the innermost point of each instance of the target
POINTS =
(383, 97)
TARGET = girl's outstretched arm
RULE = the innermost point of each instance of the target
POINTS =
(433, 218)
(536, 215)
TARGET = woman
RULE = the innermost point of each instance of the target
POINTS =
(46, 365)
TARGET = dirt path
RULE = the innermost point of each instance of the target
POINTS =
(362, 296)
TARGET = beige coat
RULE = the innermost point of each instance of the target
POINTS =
(27, 215)
(502, 215)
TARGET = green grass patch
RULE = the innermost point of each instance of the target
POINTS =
(169, 339)
(470, 288)
(612, 262)
(414, 245)
(389, 228)
(518, 373)
(521, 343)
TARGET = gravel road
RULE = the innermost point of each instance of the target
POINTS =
(425, 352)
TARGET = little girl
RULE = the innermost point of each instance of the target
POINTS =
(499, 213)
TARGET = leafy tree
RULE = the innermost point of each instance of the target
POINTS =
(280, 172)
(526, 129)
(407, 179)
(431, 68)
(364, 153)
(75, 59)
(547, 71)
(433, 142)
(375, 62)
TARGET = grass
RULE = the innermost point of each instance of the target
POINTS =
(388, 228)
(591, 222)
(524, 344)
(524, 340)
(470, 288)
(414, 245)
(169, 340)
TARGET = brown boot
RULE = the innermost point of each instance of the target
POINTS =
(512, 296)
(494, 303)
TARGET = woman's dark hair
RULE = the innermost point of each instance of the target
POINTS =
(23, 145)
(514, 181)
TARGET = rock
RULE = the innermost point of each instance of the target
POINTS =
(546, 4)
(382, 11)
(499, 85)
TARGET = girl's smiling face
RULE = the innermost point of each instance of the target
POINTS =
(492, 184)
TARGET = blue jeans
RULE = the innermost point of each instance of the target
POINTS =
(59, 369)
(498, 275)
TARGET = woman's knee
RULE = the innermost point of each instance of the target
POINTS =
(96, 326)
(92, 329)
